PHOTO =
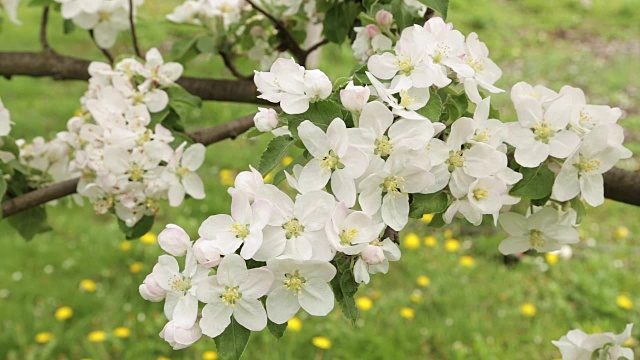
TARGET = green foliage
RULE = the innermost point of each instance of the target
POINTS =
(271, 156)
(320, 113)
(31, 222)
(536, 183)
(345, 287)
(581, 210)
(402, 16)
(433, 109)
(441, 6)
(140, 228)
(339, 20)
(277, 330)
(185, 105)
(232, 342)
(428, 204)
(185, 49)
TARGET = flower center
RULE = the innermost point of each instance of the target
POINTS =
(476, 64)
(183, 171)
(231, 295)
(456, 159)
(543, 131)
(104, 15)
(405, 67)
(443, 51)
(483, 136)
(180, 284)
(347, 236)
(383, 146)
(587, 165)
(535, 239)
(146, 137)
(241, 231)
(294, 282)
(138, 98)
(406, 99)
(480, 193)
(136, 173)
(585, 118)
(393, 184)
(293, 229)
(331, 161)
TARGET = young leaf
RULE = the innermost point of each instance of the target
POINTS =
(433, 109)
(428, 204)
(232, 342)
(578, 206)
(441, 6)
(140, 228)
(184, 50)
(345, 287)
(274, 152)
(338, 21)
(277, 330)
(31, 222)
(536, 183)
(320, 113)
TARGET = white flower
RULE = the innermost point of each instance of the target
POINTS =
(299, 284)
(174, 240)
(524, 92)
(317, 85)
(110, 18)
(368, 42)
(156, 70)
(181, 304)
(333, 158)
(481, 129)
(350, 231)
(296, 230)
(541, 231)
(180, 337)
(354, 98)
(540, 133)
(234, 291)
(244, 226)
(5, 120)
(411, 99)
(186, 13)
(181, 174)
(150, 290)
(578, 345)
(266, 119)
(374, 259)
(11, 7)
(486, 72)
(207, 254)
(249, 182)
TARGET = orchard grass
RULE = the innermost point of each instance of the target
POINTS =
(458, 311)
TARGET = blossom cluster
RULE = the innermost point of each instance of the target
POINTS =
(105, 18)
(5, 129)
(126, 163)
(579, 345)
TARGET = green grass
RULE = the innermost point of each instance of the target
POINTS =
(465, 312)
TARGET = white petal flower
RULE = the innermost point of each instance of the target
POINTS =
(174, 240)
(180, 337)
(578, 345)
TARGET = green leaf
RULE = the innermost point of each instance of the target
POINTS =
(578, 206)
(158, 118)
(320, 113)
(277, 179)
(536, 183)
(3, 189)
(277, 330)
(433, 109)
(345, 287)
(178, 93)
(274, 152)
(140, 228)
(428, 204)
(338, 21)
(232, 342)
(68, 26)
(437, 221)
(30, 223)
(206, 45)
(441, 6)
(402, 15)
(185, 105)
(184, 50)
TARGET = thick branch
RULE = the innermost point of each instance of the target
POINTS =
(60, 67)
(622, 185)
(59, 190)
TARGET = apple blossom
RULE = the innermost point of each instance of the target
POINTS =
(266, 119)
(374, 259)
(180, 337)
(174, 240)
(5, 120)
(181, 175)
(579, 345)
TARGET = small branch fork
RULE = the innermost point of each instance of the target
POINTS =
(134, 37)
(43, 29)
(106, 52)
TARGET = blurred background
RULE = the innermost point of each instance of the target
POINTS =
(72, 293)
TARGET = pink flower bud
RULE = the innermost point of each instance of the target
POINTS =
(384, 18)
(206, 253)
(373, 255)
(174, 240)
(372, 30)
(266, 119)
(354, 98)
(150, 290)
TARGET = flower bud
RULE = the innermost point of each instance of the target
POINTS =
(266, 119)
(206, 253)
(174, 240)
(150, 290)
(384, 18)
(316, 85)
(372, 30)
(179, 337)
(373, 255)
(354, 98)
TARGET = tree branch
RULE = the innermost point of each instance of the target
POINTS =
(60, 67)
(134, 37)
(59, 190)
(315, 46)
(106, 52)
(622, 185)
(228, 62)
(43, 29)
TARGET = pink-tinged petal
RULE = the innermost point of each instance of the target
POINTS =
(343, 187)
(252, 243)
(482, 160)
(165, 270)
(337, 135)
(294, 104)
(566, 185)
(176, 195)
(313, 209)
(273, 243)
(193, 185)
(240, 208)
(314, 139)
(383, 66)
(395, 210)
(209, 290)
(193, 157)
(298, 248)
(261, 213)
(461, 130)
(376, 117)
(313, 176)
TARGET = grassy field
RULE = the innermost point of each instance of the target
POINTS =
(450, 297)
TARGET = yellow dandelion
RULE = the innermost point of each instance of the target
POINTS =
(622, 233)
(551, 258)
(125, 246)
(226, 177)
(97, 336)
(294, 324)
(416, 297)
(624, 302)
(407, 313)
(43, 337)
(364, 303)
(411, 241)
(136, 267)
(321, 342)
(448, 234)
(122, 332)
(287, 160)
(423, 280)
(163, 358)
(426, 218)
(63, 313)
(268, 178)
(210, 355)
(149, 238)
(430, 241)
(528, 309)
(467, 261)
(88, 285)
(452, 245)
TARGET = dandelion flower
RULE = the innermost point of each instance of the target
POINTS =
(622, 233)
(452, 245)
(364, 303)
(226, 177)
(210, 355)
(426, 218)
(43, 337)
(88, 285)
(122, 332)
(467, 261)
(97, 336)
(321, 342)
(423, 280)
(294, 324)
(528, 309)
(430, 241)
(149, 238)
(448, 234)
(551, 258)
(63, 313)
(136, 267)
(416, 297)
(407, 313)
(624, 302)
(125, 246)
(411, 241)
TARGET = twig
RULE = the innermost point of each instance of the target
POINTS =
(315, 46)
(391, 234)
(134, 37)
(228, 62)
(43, 29)
(106, 52)
(287, 40)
